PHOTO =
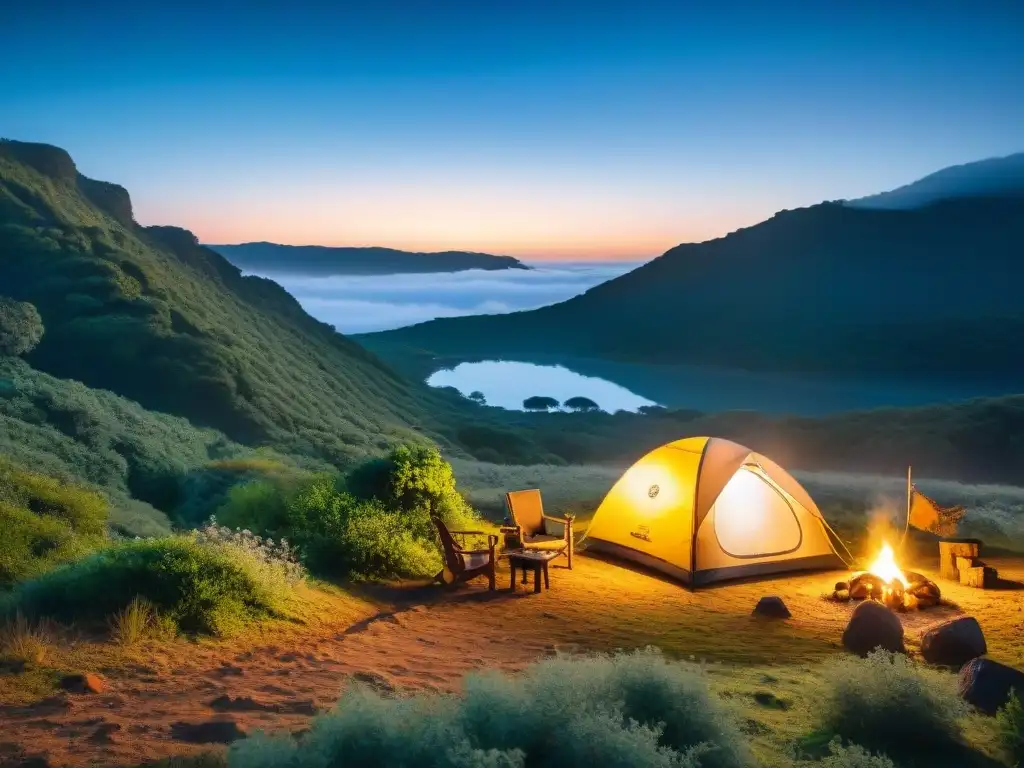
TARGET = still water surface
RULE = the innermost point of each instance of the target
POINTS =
(506, 384)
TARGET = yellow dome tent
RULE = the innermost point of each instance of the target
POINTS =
(705, 509)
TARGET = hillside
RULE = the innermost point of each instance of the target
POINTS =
(323, 261)
(829, 289)
(148, 313)
(994, 176)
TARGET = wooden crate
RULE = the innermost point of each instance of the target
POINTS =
(950, 550)
(979, 576)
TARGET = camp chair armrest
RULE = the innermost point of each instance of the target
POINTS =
(470, 533)
(557, 519)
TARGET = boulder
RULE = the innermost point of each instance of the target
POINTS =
(871, 626)
(987, 684)
(83, 683)
(104, 734)
(772, 608)
(210, 732)
(954, 643)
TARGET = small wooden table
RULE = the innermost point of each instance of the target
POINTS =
(531, 560)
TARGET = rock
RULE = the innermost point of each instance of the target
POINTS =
(12, 666)
(104, 734)
(772, 608)
(841, 585)
(374, 680)
(211, 732)
(858, 591)
(241, 704)
(83, 683)
(986, 684)
(954, 643)
(871, 626)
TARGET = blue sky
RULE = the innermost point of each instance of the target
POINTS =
(558, 129)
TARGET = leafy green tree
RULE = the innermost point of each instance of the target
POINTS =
(582, 404)
(540, 403)
(478, 397)
(21, 327)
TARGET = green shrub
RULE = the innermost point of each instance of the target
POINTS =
(44, 522)
(632, 710)
(21, 327)
(418, 482)
(201, 587)
(853, 756)
(1010, 724)
(372, 524)
(891, 704)
(342, 536)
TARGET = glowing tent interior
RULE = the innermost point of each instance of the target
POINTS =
(704, 509)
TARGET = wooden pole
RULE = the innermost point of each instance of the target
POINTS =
(906, 526)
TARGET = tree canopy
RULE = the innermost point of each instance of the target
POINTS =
(581, 404)
(540, 403)
(21, 327)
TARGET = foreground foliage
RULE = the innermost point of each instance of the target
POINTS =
(1010, 720)
(635, 710)
(893, 705)
(198, 586)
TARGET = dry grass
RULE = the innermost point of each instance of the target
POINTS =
(133, 622)
(24, 641)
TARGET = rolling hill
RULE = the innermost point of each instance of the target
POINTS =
(322, 261)
(148, 313)
(830, 289)
(994, 176)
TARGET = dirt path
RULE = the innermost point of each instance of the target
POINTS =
(426, 639)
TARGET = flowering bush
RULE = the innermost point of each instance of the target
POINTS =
(275, 554)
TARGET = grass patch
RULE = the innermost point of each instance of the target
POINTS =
(132, 623)
(890, 704)
(201, 587)
(635, 709)
(25, 641)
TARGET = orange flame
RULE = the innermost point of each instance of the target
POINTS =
(885, 566)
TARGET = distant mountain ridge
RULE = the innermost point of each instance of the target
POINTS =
(995, 176)
(324, 260)
(831, 289)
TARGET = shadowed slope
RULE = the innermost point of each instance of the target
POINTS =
(148, 313)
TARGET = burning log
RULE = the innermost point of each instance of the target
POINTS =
(884, 582)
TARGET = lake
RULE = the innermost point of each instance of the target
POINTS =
(506, 384)
(627, 386)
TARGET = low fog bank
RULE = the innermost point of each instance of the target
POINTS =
(366, 303)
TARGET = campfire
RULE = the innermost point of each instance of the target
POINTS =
(885, 582)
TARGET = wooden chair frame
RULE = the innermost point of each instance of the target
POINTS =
(455, 570)
(520, 533)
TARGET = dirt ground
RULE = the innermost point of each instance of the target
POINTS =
(427, 638)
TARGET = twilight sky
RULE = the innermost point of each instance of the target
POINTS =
(537, 129)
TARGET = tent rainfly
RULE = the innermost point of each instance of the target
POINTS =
(704, 509)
